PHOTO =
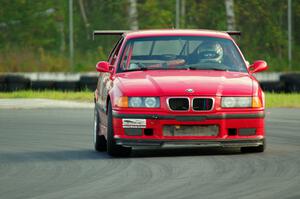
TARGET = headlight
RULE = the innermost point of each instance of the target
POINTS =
(143, 102)
(151, 102)
(236, 102)
(135, 102)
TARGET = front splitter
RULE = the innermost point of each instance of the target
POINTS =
(138, 143)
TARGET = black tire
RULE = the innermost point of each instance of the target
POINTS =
(99, 140)
(112, 148)
(16, 82)
(257, 149)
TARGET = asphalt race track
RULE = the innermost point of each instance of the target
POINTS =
(47, 153)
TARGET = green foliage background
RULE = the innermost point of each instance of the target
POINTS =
(34, 33)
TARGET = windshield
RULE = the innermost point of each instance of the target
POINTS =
(181, 52)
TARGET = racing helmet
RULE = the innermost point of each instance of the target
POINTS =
(210, 52)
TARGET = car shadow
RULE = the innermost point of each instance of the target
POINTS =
(86, 154)
(185, 152)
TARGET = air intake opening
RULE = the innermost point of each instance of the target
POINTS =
(247, 131)
(232, 132)
(148, 132)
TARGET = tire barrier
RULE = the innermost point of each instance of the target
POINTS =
(67, 85)
(272, 86)
(48, 81)
(291, 82)
(287, 82)
(2, 83)
(42, 85)
(16, 82)
(88, 82)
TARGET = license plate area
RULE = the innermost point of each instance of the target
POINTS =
(190, 130)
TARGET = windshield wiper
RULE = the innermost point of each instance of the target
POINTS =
(192, 68)
(201, 68)
(197, 67)
(144, 68)
(140, 66)
(218, 69)
(137, 69)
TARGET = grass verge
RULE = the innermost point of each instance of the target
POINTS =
(290, 100)
(284, 100)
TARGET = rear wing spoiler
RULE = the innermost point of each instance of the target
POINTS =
(233, 32)
(121, 32)
(109, 32)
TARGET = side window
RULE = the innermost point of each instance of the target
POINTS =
(114, 54)
(125, 61)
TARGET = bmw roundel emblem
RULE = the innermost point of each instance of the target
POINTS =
(189, 90)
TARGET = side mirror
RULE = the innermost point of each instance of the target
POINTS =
(103, 66)
(258, 66)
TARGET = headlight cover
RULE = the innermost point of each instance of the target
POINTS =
(135, 102)
(143, 102)
(150, 102)
(236, 102)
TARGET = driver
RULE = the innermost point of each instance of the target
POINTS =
(210, 52)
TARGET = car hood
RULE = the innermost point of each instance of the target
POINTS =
(177, 83)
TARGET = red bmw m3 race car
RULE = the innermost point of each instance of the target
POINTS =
(177, 88)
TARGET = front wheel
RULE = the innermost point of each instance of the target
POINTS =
(112, 148)
(99, 140)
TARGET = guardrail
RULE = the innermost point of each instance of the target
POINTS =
(273, 82)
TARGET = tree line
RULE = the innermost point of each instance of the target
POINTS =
(34, 35)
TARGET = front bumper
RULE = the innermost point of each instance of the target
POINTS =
(235, 129)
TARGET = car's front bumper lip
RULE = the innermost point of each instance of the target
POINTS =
(190, 117)
(141, 143)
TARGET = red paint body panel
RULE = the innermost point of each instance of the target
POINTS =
(174, 83)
